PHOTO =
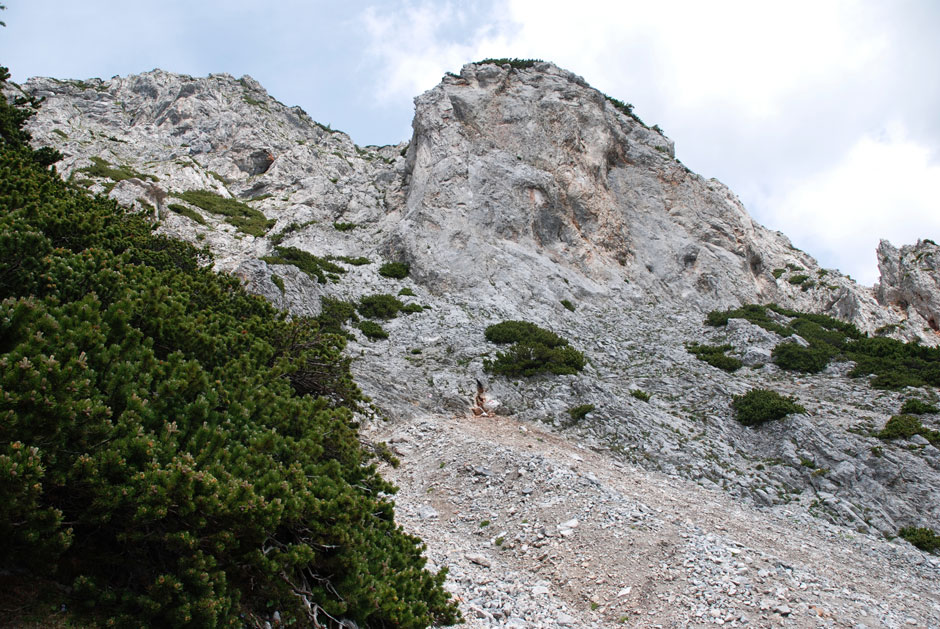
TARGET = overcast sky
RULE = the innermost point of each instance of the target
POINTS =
(823, 116)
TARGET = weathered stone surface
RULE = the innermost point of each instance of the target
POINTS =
(910, 284)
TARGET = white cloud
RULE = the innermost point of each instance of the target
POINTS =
(884, 187)
(416, 44)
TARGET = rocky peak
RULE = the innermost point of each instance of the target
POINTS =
(910, 283)
(531, 167)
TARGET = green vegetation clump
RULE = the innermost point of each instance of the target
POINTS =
(317, 268)
(534, 350)
(244, 218)
(913, 406)
(904, 426)
(921, 537)
(760, 405)
(372, 330)
(798, 279)
(344, 227)
(379, 307)
(522, 332)
(625, 108)
(641, 395)
(188, 212)
(412, 308)
(334, 313)
(517, 64)
(278, 282)
(751, 312)
(406, 292)
(795, 357)
(715, 356)
(778, 272)
(568, 305)
(176, 452)
(577, 413)
(102, 169)
(357, 261)
(395, 270)
(894, 364)
(279, 237)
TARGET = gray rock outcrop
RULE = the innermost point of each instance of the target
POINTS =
(910, 283)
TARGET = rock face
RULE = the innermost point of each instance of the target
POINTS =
(535, 168)
(526, 194)
(910, 283)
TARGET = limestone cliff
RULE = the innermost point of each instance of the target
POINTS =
(910, 283)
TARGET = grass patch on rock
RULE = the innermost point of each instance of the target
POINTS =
(715, 356)
(315, 267)
(242, 217)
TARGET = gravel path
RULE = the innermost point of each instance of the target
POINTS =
(538, 531)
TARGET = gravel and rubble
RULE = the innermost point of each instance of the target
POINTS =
(538, 531)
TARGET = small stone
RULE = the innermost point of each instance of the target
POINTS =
(426, 512)
(478, 559)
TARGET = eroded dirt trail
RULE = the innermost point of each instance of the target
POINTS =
(538, 531)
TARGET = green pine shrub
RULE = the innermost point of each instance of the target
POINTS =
(522, 332)
(534, 350)
(904, 426)
(354, 261)
(894, 364)
(334, 313)
(372, 330)
(344, 227)
(715, 356)
(795, 357)
(516, 64)
(292, 228)
(406, 292)
(244, 218)
(577, 413)
(798, 279)
(278, 282)
(395, 270)
(188, 212)
(641, 395)
(412, 308)
(913, 406)
(921, 537)
(379, 306)
(102, 169)
(568, 305)
(319, 269)
(760, 405)
(173, 451)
